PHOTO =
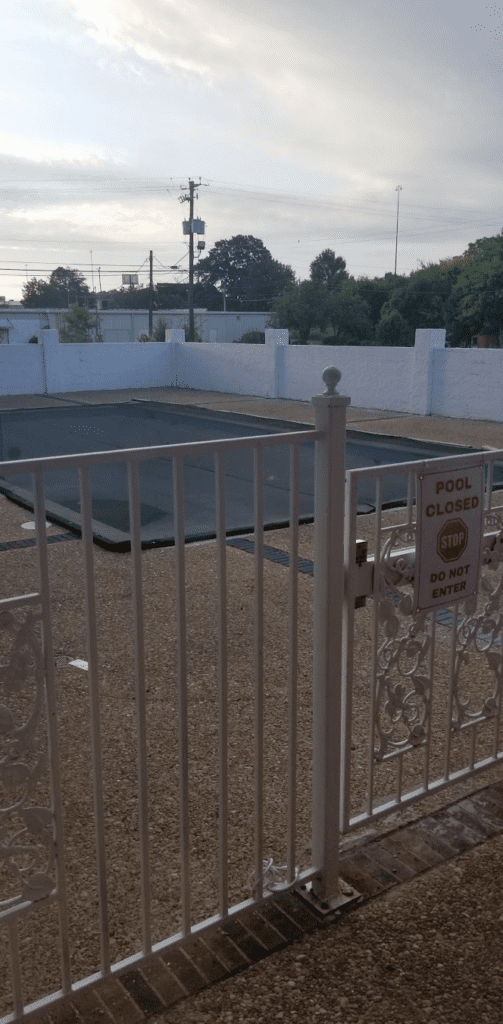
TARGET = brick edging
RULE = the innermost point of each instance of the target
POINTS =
(371, 866)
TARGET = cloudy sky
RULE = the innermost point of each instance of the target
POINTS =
(300, 119)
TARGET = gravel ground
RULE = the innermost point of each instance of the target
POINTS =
(324, 952)
(428, 951)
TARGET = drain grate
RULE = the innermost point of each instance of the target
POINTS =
(272, 554)
(31, 542)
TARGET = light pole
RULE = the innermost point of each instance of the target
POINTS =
(397, 190)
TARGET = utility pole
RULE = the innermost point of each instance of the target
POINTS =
(98, 307)
(190, 232)
(397, 190)
(191, 263)
(151, 296)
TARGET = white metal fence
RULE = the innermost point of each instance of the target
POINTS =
(34, 813)
(379, 670)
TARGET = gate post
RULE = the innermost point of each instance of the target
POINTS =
(329, 492)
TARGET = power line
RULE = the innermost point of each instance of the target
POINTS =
(134, 186)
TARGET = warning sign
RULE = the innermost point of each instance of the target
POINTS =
(449, 537)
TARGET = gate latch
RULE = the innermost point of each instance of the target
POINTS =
(361, 574)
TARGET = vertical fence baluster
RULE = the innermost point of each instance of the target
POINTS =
(15, 962)
(141, 723)
(473, 737)
(499, 698)
(489, 485)
(450, 698)
(293, 585)
(258, 526)
(330, 415)
(399, 773)
(411, 487)
(348, 647)
(183, 733)
(433, 633)
(94, 702)
(375, 641)
(52, 728)
(222, 680)
(488, 507)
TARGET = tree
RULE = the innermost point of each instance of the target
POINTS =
(329, 270)
(419, 301)
(245, 271)
(349, 316)
(77, 324)
(392, 328)
(303, 307)
(65, 286)
(375, 292)
(175, 296)
(478, 290)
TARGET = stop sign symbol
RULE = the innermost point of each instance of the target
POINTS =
(452, 540)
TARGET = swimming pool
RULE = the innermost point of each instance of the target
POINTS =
(70, 430)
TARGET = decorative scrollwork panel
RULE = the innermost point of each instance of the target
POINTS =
(403, 683)
(479, 630)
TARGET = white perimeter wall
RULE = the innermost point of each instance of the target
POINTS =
(374, 378)
(468, 383)
(21, 370)
(238, 369)
(425, 379)
(97, 367)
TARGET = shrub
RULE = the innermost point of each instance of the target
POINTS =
(197, 336)
(33, 340)
(76, 326)
(251, 338)
(160, 330)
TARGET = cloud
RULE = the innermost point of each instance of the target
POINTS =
(333, 87)
(315, 112)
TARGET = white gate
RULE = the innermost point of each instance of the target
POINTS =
(422, 689)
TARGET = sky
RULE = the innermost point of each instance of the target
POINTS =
(300, 121)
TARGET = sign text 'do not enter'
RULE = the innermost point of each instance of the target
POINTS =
(449, 536)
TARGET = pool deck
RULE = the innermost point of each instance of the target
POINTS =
(423, 944)
(477, 433)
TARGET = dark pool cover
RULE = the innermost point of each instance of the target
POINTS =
(43, 432)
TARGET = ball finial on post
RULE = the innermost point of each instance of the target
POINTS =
(331, 377)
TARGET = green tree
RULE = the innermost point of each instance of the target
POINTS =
(245, 271)
(375, 292)
(349, 316)
(478, 291)
(176, 296)
(65, 286)
(303, 307)
(392, 329)
(167, 295)
(329, 270)
(77, 324)
(127, 298)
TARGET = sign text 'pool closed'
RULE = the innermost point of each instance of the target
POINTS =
(449, 536)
